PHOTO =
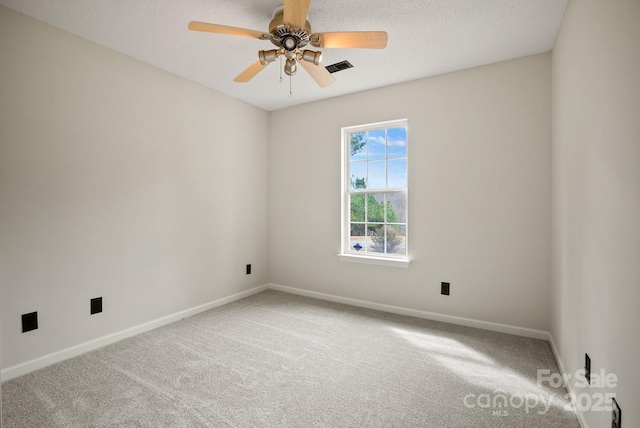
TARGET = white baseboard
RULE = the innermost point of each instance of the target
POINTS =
(468, 322)
(46, 360)
(567, 385)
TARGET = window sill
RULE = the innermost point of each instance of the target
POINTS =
(398, 263)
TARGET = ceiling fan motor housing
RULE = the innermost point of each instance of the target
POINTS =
(287, 36)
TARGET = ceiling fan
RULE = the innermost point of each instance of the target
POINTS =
(290, 32)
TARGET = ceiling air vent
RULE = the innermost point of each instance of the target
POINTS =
(338, 66)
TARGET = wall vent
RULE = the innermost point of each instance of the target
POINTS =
(339, 66)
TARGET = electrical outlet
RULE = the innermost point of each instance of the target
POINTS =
(587, 368)
(444, 288)
(616, 415)
(96, 305)
(248, 269)
(29, 322)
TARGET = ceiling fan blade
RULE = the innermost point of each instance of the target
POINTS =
(225, 29)
(350, 39)
(295, 12)
(320, 74)
(250, 72)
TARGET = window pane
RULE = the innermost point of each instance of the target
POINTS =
(396, 206)
(397, 142)
(375, 207)
(357, 207)
(397, 174)
(377, 143)
(358, 146)
(356, 237)
(357, 175)
(396, 239)
(377, 176)
(375, 238)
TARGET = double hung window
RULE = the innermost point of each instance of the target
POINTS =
(375, 190)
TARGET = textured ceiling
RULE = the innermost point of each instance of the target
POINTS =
(426, 38)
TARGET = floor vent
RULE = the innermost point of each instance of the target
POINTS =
(338, 66)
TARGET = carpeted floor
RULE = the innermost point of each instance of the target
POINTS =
(281, 360)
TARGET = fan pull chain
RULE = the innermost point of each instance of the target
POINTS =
(290, 91)
(280, 68)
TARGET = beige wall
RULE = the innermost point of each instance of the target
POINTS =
(479, 196)
(118, 180)
(596, 196)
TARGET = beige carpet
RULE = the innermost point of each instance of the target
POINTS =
(280, 360)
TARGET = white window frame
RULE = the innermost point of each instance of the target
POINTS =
(346, 253)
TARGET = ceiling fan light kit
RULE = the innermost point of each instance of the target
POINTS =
(313, 57)
(290, 32)
(266, 57)
(290, 67)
